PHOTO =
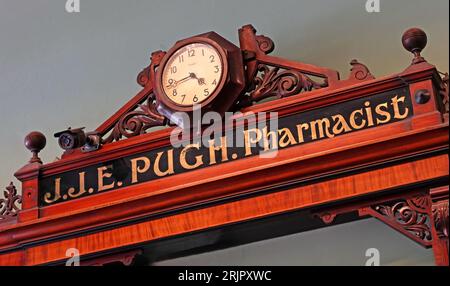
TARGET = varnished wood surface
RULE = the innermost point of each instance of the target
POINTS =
(251, 208)
(307, 161)
(356, 166)
(285, 106)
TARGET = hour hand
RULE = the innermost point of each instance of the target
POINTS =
(201, 81)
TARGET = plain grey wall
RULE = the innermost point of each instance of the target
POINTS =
(59, 69)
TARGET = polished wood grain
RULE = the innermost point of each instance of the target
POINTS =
(332, 173)
(302, 162)
(284, 107)
(357, 185)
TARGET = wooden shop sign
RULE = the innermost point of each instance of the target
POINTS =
(306, 127)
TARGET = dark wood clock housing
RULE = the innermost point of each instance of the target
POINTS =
(229, 87)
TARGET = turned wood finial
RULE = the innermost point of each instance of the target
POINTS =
(414, 40)
(35, 141)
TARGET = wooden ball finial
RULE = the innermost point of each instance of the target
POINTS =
(35, 141)
(414, 40)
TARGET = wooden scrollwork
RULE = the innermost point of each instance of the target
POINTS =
(265, 44)
(409, 216)
(147, 75)
(9, 205)
(440, 214)
(359, 71)
(140, 114)
(137, 122)
(280, 83)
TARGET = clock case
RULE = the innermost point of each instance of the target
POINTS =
(230, 87)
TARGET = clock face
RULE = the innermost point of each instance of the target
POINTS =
(192, 74)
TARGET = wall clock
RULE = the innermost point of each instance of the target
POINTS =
(203, 71)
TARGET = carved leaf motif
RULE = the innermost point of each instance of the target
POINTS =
(440, 214)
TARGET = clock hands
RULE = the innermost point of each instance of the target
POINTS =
(175, 83)
(201, 81)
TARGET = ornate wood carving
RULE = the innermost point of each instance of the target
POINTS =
(280, 83)
(439, 197)
(265, 44)
(136, 118)
(409, 216)
(266, 76)
(9, 205)
(440, 215)
(137, 122)
(444, 92)
(147, 75)
(359, 71)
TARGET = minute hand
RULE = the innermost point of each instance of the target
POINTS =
(177, 82)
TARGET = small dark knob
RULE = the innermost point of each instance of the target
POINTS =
(35, 141)
(422, 96)
(414, 40)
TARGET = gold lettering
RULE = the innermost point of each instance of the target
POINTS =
(135, 169)
(383, 113)
(369, 113)
(300, 128)
(272, 135)
(394, 103)
(353, 121)
(248, 141)
(213, 149)
(340, 125)
(198, 159)
(286, 137)
(71, 191)
(323, 126)
(47, 196)
(101, 175)
(169, 170)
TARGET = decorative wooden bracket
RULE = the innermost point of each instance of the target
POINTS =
(421, 216)
(439, 198)
(125, 258)
(410, 217)
(440, 214)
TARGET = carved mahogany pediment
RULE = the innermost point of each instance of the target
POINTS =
(364, 146)
(266, 77)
